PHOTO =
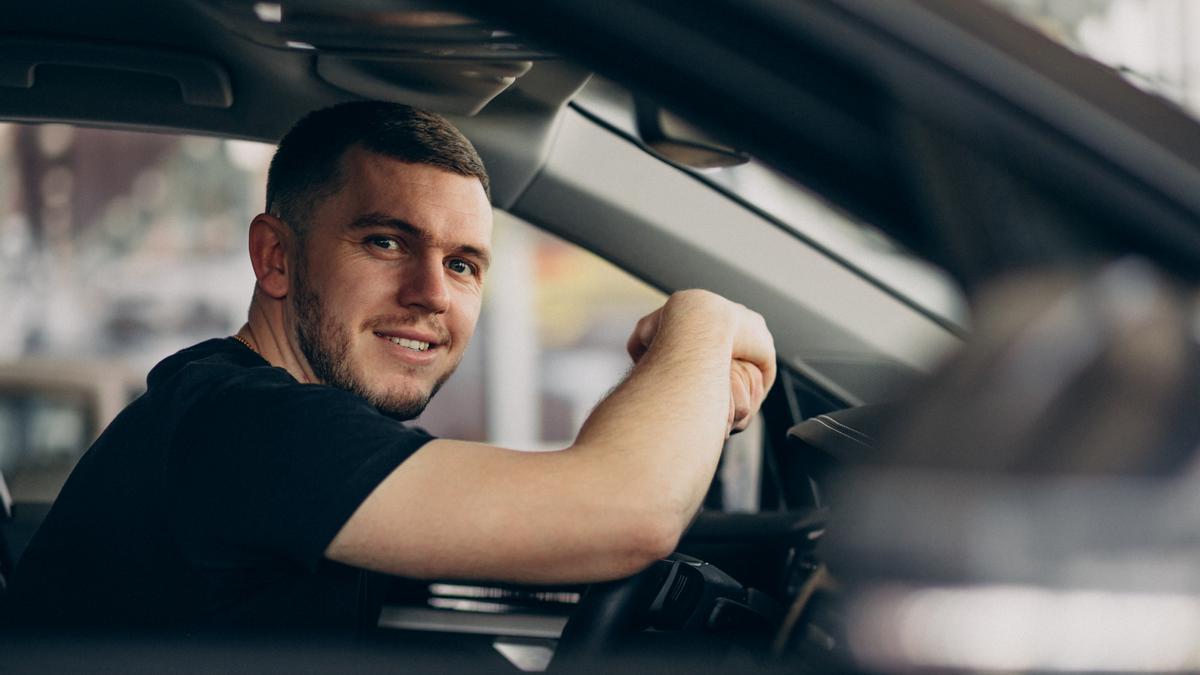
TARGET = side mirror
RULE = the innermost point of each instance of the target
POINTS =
(679, 141)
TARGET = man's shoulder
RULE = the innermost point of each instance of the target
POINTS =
(220, 368)
(215, 377)
(223, 376)
(212, 358)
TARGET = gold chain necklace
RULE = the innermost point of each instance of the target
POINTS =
(242, 340)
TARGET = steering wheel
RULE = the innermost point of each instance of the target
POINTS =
(676, 593)
(607, 615)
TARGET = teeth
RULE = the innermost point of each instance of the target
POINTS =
(415, 345)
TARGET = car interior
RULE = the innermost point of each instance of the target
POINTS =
(620, 127)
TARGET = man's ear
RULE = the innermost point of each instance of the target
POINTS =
(270, 242)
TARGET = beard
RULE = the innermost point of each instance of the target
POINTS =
(325, 343)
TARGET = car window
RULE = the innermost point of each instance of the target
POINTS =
(122, 245)
(119, 248)
(41, 434)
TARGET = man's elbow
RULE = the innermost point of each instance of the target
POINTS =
(649, 539)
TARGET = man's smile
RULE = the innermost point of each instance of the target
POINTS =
(410, 344)
(415, 347)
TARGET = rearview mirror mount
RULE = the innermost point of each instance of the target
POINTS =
(679, 141)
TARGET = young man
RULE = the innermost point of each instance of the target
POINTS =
(263, 478)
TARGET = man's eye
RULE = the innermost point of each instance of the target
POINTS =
(459, 266)
(385, 243)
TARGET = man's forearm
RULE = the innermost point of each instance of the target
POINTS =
(658, 436)
(620, 496)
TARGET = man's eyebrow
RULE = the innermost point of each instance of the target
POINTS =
(378, 220)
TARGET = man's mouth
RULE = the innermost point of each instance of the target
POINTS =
(407, 343)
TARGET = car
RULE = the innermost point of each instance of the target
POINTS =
(903, 190)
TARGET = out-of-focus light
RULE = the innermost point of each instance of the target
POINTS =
(526, 657)
(296, 44)
(248, 155)
(421, 19)
(149, 189)
(55, 139)
(470, 605)
(464, 591)
(1017, 628)
(268, 12)
(200, 148)
(57, 185)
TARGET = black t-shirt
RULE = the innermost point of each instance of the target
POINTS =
(209, 502)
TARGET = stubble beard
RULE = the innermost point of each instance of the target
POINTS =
(326, 345)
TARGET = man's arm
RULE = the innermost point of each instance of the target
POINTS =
(617, 499)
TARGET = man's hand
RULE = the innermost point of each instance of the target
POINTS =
(746, 394)
(752, 362)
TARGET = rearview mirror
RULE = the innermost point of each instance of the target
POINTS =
(679, 141)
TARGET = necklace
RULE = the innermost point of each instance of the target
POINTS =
(242, 340)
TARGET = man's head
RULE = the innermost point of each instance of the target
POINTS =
(307, 164)
(383, 225)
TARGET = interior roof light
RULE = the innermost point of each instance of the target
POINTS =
(269, 12)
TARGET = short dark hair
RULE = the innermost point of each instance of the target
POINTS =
(306, 167)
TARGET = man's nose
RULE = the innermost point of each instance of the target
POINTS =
(425, 286)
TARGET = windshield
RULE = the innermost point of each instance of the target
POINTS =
(863, 248)
(1147, 41)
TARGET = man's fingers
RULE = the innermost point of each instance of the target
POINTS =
(635, 347)
(758, 388)
(746, 394)
(731, 420)
(742, 401)
(755, 346)
(643, 334)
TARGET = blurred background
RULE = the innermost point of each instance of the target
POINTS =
(1149, 41)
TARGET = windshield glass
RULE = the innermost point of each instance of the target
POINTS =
(1147, 41)
(861, 247)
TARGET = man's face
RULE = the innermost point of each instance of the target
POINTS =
(387, 290)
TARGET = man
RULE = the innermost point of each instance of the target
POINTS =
(263, 479)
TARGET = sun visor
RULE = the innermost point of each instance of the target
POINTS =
(459, 87)
(410, 52)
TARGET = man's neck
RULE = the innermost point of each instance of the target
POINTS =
(265, 332)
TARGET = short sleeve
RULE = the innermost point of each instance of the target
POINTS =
(272, 469)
